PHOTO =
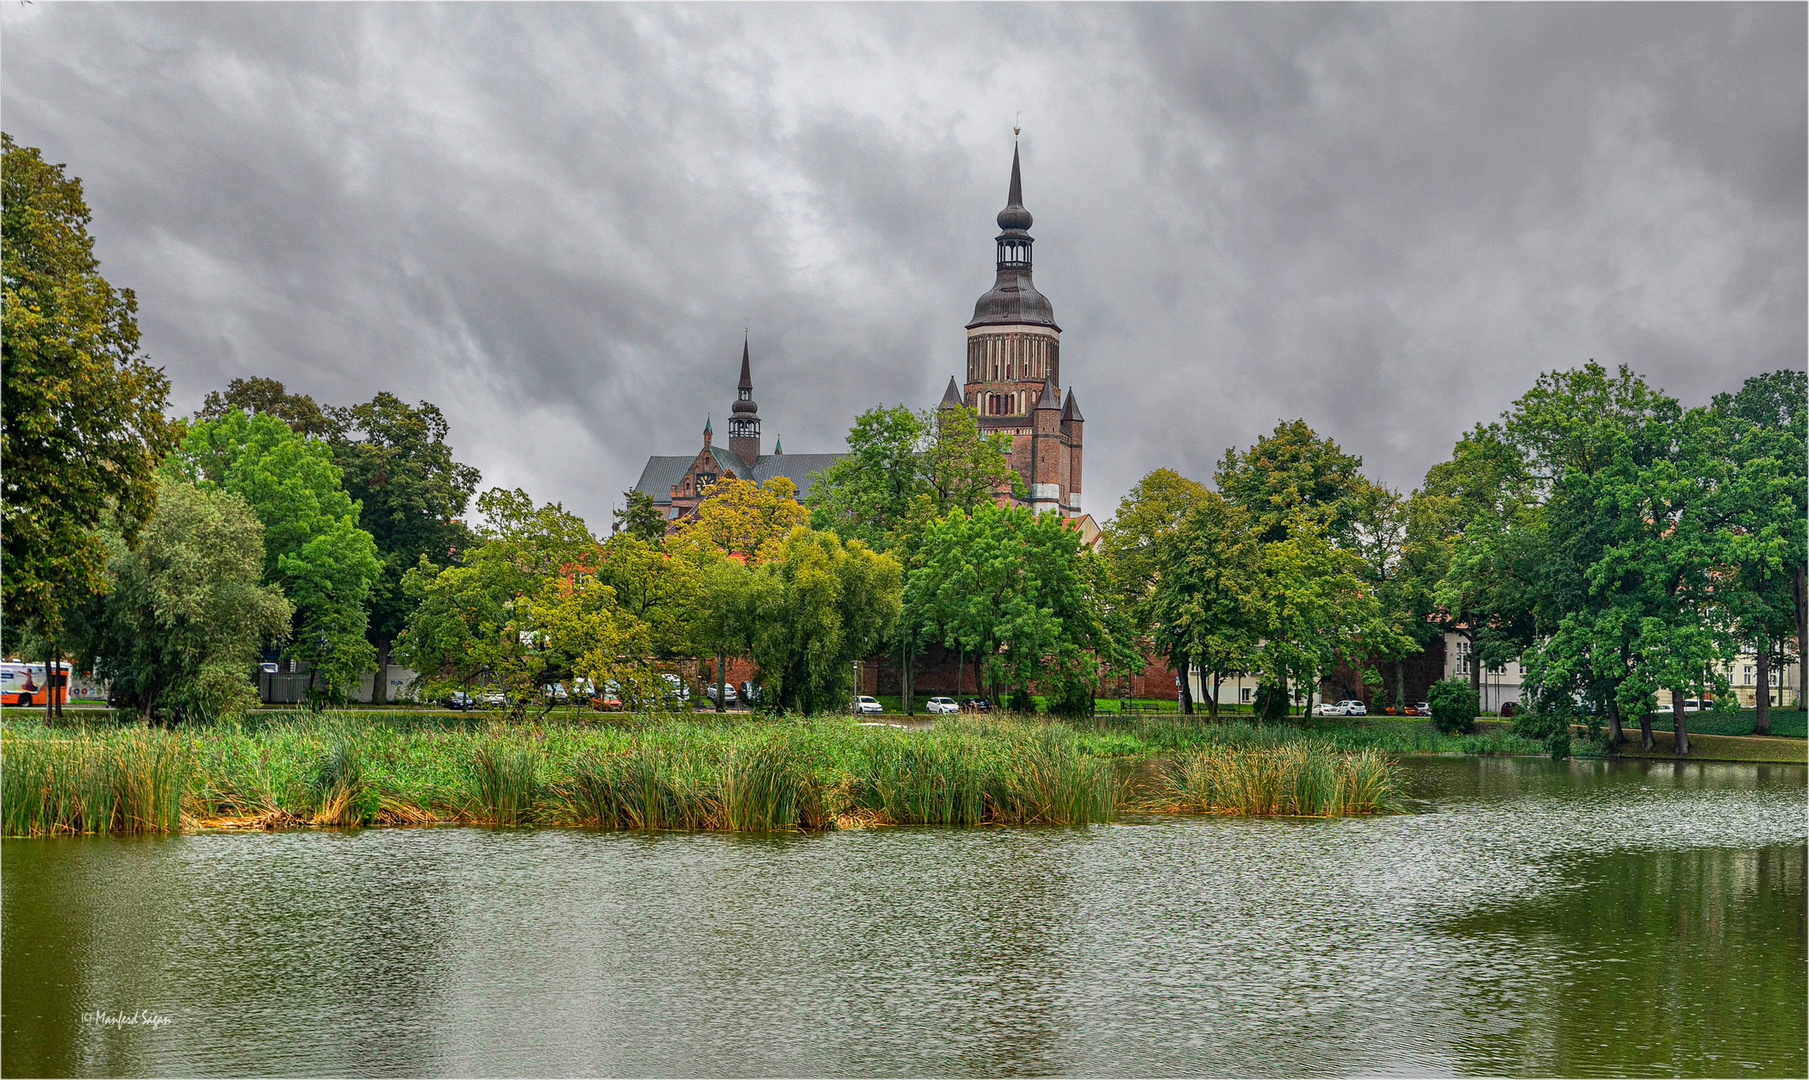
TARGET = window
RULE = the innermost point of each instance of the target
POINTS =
(1243, 696)
(1463, 658)
(1748, 679)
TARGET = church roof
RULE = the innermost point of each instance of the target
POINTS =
(1071, 408)
(1050, 399)
(951, 396)
(662, 471)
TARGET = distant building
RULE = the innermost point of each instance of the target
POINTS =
(1013, 382)
(677, 484)
(1014, 370)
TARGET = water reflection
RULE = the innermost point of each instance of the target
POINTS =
(1570, 918)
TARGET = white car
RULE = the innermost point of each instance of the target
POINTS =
(1329, 708)
(1354, 708)
(941, 705)
(865, 704)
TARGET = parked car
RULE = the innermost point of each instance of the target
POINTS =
(607, 698)
(493, 699)
(941, 705)
(750, 692)
(1353, 707)
(1509, 708)
(675, 688)
(728, 694)
(1419, 708)
(1329, 708)
(975, 704)
(865, 704)
(458, 699)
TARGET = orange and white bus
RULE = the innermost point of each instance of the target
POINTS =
(23, 683)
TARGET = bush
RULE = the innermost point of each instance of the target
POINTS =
(1454, 706)
(1557, 744)
(1019, 701)
(1271, 703)
(1072, 700)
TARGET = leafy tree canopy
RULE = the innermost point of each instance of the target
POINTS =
(178, 633)
(313, 547)
(739, 517)
(817, 604)
(82, 427)
(1293, 473)
(640, 517)
(261, 395)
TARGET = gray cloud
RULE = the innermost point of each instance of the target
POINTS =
(554, 221)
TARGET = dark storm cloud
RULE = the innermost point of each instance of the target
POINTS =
(555, 221)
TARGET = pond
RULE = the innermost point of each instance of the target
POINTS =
(1579, 918)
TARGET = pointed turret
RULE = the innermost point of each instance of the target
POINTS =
(951, 396)
(708, 433)
(778, 447)
(744, 416)
(1050, 399)
(1070, 410)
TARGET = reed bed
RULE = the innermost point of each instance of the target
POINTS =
(123, 781)
(1299, 779)
(736, 773)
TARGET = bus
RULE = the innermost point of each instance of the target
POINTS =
(23, 683)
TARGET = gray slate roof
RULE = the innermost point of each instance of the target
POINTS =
(661, 472)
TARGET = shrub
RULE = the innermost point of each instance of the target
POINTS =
(1019, 701)
(1072, 700)
(1454, 706)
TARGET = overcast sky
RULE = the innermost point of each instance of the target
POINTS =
(555, 221)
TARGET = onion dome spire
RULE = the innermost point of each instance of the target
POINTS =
(1013, 299)
(744, 415)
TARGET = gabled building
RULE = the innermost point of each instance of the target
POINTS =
(678, 483)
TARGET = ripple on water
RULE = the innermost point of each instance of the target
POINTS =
(1581, 918)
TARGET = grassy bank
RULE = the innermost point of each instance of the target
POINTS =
(733, 774)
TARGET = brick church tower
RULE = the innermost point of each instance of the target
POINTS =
(1014, 369)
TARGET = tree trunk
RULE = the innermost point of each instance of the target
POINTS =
(380, 681)
(960, 670)
(1645, 730)
(1215, 695)
(1681, 731)
(722, 677)
(904, 681)
(1614, 724)
(1186, 688)
(1400, 685)
(50, 682)
(1761, 724)
(1802, 633)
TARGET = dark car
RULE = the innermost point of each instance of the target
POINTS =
(975, 704)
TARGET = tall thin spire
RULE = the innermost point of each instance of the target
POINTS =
(744, 415)
(1016, 198)
(747, 378)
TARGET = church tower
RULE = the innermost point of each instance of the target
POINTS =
(744, 416)
(1014, 367)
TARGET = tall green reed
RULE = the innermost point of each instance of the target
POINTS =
(122, 781)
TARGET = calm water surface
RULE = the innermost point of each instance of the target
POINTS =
(1542, 918)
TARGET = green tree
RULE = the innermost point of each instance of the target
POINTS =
(1761, 439)
(261, 395)
(179, 631)
(1133, 547)
(1292, 474)
(1020, 591)
(82, 427)
(639, 517)
(412, 498)
(1204, 603)
(485, 619)
(820, 603)
(1626, 540)
(313, 547)
(870, 493)
(966, 468)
